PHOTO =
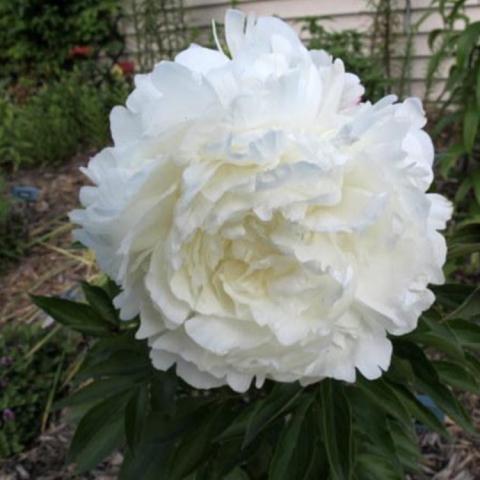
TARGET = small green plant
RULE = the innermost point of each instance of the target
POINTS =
(12, 231)
(349, 45)
(4, 203)
(34, 365)
(62, 117)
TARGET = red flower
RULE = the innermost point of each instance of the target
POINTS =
(127, 67)
(81, 51)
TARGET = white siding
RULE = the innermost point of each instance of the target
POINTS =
(342, 14)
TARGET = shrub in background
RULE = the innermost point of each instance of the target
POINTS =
(58, 120)
(33, 369)
(37, 36)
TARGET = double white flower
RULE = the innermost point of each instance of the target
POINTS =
(261, 219)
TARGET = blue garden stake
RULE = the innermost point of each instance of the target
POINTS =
(26, 193)
(427, 402)
(71, 294)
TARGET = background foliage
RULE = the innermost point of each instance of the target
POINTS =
(34, 366)
(37, 35)
(60, 119)
(460, 102)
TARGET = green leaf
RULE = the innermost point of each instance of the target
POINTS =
(163, 388)
(77, 316)
(470, 126)
(476, 182)
(384, 397)
(159, 437)
(372, 422)
(99, 432)
(439, 336)
(191, 452)
(463, 190)
(161, 428)
(374, 467)
(237, 474)
(456, 375)
(121, 363)
(228, 456)
(418, 411)
(149, 463)
(467, 41)
(265, 411)
(477, 89)
(433, 35)
(450, 158)
(406, 446)
(469, 309)
(289, 440)
(467, 332)
(310, 460)
(336, 428)
(428, 381)
(100, 301)
(451, 295)
(135, 416)
(96, 391)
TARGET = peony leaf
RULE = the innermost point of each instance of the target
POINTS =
(374, 467)
(384, 397)
(406, 445)
(100, 301)
(75, 315)
(159, 437)
(229, 455)
(121, 363)
(439, 336)
(191, 452)
(99, 432)
(373, 422)
(265, 411)
(418, 411)
(96, 391)
(135, 416)
(469, 309)
(163, 388)
(428, 381)
(451, 295)
(237, 474)
(289, 440)
(456, 375)
(149, 463)
(467, 332)
(336, 428)
(310, 458)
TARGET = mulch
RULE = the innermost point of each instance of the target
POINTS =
(45, 460)
(52, 265)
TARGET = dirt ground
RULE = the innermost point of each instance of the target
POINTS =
(53, 265)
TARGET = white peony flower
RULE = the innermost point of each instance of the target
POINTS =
(261, 219)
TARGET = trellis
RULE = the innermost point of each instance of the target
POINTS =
(158, 30)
